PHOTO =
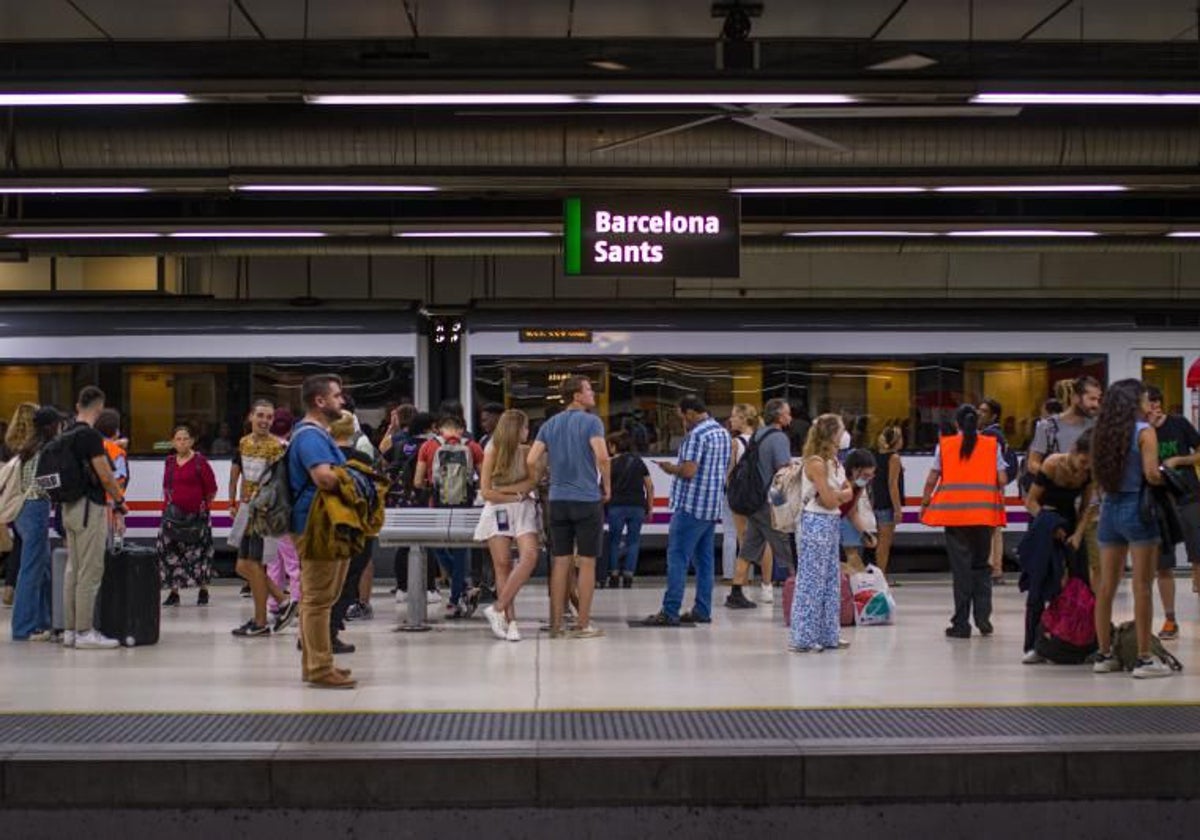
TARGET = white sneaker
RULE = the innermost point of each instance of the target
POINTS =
(497, 622)
(401, 596)
(68, 638)
(768, 594)
(1032, 658)
(514, 635)
(1105, 664)
(95, 640)
(1151, 667)
(433, 597)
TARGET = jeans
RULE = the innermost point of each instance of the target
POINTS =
(455, 560)
(691, 539)
(624, 519)
(31, 609)
(969, 547)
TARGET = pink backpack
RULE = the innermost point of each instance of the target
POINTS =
(1071, 616)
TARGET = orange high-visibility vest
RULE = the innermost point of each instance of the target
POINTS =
(967, 493)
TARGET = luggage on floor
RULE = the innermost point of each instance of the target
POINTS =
(1060, 652)
(1125, 648)
(789, 595)
(1071, 615)
(846, 613)
(58, 580)
(873, 602)
(129, 609)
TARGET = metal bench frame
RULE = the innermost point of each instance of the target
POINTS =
(421, 529)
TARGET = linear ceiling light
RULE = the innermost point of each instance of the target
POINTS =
(718, 98)
(1086, 99)
(826, 190)
(1023, 233)
(859, 233)
(333, 188)
(710, 98)
(86, 235)
(1184, 234)
(474, 234)
(246, 234)
(33, 99)
(443, 99)
(72, 190)
(1034, 188)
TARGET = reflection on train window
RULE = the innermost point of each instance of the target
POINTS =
(159, 397)
(1166, 374)
(375, 384)
(39, 384)
(639, 394)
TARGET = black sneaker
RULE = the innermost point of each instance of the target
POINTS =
(958, 632)
(246, 590)
(614, 582)
(202, 598)
(287, 614)
(627, 582)
(252, 629)
(691, 618)
(738, 601)
(985, 628)
(660, 619)
(470, 602)
(342, 647)
(172, 600)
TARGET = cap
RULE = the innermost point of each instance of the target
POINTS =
(47, 415)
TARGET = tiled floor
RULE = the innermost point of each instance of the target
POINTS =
(738, 661)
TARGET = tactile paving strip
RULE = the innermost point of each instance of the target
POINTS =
(669, 727)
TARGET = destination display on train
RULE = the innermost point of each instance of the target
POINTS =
(659, 235)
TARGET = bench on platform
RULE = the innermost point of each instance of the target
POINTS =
(420, 529)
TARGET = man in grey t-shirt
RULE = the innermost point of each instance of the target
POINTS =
(1059, 433)
(580, 484)
(774, 453)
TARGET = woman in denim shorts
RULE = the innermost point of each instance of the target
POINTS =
(1124, 457)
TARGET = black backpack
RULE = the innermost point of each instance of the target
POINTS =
(746, 492)
(60, 473)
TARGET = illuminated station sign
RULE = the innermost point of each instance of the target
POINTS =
(668, 235)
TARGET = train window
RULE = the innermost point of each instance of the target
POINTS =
(158, 397)
(1166, 374)
(40, 384)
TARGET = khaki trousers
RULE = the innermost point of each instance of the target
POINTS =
(85, 562)
(321, 582)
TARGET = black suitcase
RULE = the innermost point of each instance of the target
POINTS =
(129, 609)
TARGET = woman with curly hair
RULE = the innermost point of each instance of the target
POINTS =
(1124, 457)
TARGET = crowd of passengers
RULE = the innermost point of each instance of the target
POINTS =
(1108, 476)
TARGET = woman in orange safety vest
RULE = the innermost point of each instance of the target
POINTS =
(964, 493)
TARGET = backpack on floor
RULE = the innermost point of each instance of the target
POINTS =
(1055, 650)
(1070, 617)
(1125, 648)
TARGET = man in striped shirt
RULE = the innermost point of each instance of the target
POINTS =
(697, 493)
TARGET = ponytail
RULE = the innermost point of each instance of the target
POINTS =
(967, 420)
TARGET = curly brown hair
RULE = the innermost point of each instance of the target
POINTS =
(1113, 433)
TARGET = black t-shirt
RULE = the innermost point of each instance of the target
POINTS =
(628, 488)
(87, 443)
(1176, 436)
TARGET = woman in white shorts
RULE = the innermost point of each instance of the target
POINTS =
(509, 513)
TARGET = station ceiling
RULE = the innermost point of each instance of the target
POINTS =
(867, 95)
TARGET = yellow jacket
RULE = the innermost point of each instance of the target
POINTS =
(342, 520)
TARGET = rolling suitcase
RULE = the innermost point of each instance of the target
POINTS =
(58, 578)
(129, 608)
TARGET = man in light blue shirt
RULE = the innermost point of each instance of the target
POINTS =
(580, 484)
(697, 497)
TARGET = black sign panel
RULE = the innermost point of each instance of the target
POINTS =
(539, 335)
(665, 235)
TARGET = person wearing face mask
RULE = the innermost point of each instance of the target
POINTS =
(858, 525)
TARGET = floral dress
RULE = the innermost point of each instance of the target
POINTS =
(187, 486)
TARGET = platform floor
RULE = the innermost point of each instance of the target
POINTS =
(738, 662)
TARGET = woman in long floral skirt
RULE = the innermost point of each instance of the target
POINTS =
(185, 544)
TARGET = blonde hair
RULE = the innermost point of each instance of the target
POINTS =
(749, 415)
(506, 439)
(891, 438)
(1064, 391)
(823, 437)
(343, 427)
(20, 428)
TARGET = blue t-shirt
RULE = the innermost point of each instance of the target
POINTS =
(310, 446)
(573, 473)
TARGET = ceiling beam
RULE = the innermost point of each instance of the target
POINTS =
(91, 20)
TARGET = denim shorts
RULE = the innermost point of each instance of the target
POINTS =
(851, 538)
(885, 517)
(1121, 522)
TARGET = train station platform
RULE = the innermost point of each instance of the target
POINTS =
(705, 729)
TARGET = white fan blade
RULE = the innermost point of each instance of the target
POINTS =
(789, 132)
(662, 132)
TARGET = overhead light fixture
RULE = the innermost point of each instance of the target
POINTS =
(911, 61)
(247, 234)
(86, 235)
(859, 233)
(434, 99)
(1027, 233)
(1184, 234)
(1034, 188)
(474, 234)
(17, 100)
(1086, 99)
(607, 64)
(826, 190)
(4, 190)
(333, 188)
(719, 98)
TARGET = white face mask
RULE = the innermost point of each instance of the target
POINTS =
(861, 482)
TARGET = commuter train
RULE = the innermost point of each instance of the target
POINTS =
(204, 365)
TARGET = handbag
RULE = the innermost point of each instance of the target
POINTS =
(177, 525)
(1175, 483)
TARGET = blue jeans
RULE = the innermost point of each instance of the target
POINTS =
(627, 519)
(455, 560)
(31, 607)
(689, 538)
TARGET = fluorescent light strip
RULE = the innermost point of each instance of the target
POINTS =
(247, 234)
(474, 234)
(1035, 188)
(50, 99)
(717, 98)
(72, 190)
(860, 233)
(1086, 99)
(712, 98)
(333, 188)
(1184, 234)
(443, 99)
(826, 190)
(1023, 233)
(84, 235)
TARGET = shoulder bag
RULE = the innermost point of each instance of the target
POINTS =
(177, 525)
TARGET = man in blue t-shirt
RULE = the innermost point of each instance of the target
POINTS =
(312, 455)
(580, 484)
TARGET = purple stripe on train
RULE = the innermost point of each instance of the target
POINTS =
(1015, 517)
(152, 522)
